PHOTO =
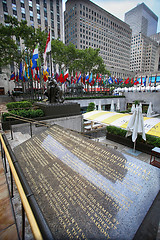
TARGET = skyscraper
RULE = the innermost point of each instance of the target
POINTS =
(37, 13)
(142, 19)
(88, 25)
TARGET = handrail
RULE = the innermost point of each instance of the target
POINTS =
(28, 201)
(29, 213)
(29, 120)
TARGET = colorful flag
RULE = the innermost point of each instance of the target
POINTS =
(132, 81)
(61, 77)
(79, 77)
(35, 57)
(48, 46)
(12, 77)
(110, 80)
(17, 77)
(116, 81)
(127, 81)
(20, 72)
(136, 81)
(87, 77)
(155, 80)
(90, 78)
(141, 80)
(66, 75)
(145, 81)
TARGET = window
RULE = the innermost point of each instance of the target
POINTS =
(5, 9)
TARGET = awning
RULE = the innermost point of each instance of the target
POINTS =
(151, 125)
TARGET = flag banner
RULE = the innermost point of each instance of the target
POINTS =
(12, 77)
(66, 75)
(127, 81)
(20, 72)
(48, 46)
(79, 77)
(35, 57)
(110, 80)
(90, 78)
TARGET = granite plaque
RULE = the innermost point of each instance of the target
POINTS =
(84, 189)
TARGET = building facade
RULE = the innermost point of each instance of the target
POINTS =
(38, 13)
(87, 25)
(156, 37)
(43, 14)
(142, 19)
(144, 54)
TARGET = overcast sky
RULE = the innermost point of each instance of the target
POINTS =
(119, 7)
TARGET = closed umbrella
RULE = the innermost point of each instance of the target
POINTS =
(133, 108)
(118, 105)
(149, 111)
(136, 125)
(112, 106)
(99, 106)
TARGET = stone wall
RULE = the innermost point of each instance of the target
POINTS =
(146, 98)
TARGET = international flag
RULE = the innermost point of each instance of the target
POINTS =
(12, 77)
(110, 80)
(100, 78)
(87, 78)
(90, 78)
(127, 81)
(56, 76)
(136, 81)
(155, 81)
(61, 77)
(116, 81)
(66, 75)
(20, 72)
(121, 80)
(17, 77)
(35, 57)
(145, 81)
(141, 80)
(48, 46)
(132, 81)
(79, 77)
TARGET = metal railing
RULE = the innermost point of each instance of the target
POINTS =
(35, 217)
(27, 120)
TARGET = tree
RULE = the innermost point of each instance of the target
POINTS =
(91, 107)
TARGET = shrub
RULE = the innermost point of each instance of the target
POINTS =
(24, 113)
(151, 140)
(17, 105)
(91, 107)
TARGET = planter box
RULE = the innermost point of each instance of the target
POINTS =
(128, 142)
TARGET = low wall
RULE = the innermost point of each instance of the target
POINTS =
(72, 122)
(145, 97)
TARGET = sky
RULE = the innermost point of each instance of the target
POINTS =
(118, 8)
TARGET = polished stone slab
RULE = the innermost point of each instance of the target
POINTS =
(84, 189)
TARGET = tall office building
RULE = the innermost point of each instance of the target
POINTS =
(37, 13)
(88, 25)
(142, 19)
(144, 54)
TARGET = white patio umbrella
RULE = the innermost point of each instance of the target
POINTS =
(133, 108)
(158, 88)
(149, 111)
(95, 106)
(112, 106)
(136, 125)
(118, 105)
(99, 106)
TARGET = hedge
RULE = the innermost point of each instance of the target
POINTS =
(151, 140)
(17, 105)
(24, 113)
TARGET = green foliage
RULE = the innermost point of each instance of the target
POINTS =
(24, 113)
(16, 105)
(91, 107)
(151, 140)
(116, 131)
(10, 36)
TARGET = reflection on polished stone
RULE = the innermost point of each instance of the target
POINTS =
(84, 189)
